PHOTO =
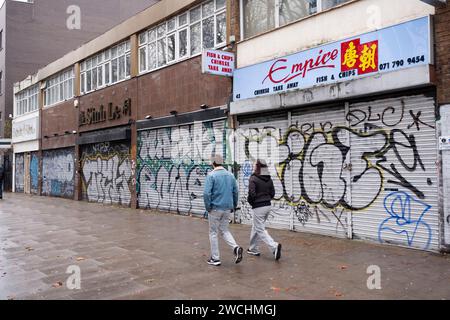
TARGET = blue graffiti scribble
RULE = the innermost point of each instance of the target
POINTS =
(406, 218)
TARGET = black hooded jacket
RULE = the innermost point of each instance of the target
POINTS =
(260, 191)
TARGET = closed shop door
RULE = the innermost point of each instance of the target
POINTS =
(58, 173)
(106, 171)
(34, 172)
(394, 173)
(173, 163)
(19, 176)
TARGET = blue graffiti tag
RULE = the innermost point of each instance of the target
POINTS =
(406, 218)
(247, 172)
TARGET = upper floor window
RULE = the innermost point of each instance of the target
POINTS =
(59, 87)
(263, 15)
(183, 36)
(108, 67)
(27, 100)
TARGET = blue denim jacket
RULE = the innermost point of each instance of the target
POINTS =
(221, 191)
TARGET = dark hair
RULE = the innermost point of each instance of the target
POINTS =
(259, 166)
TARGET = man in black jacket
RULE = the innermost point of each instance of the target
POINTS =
(2, 174)
(261, 191)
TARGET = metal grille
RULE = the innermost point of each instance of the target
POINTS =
(58, 173)
(106, 172)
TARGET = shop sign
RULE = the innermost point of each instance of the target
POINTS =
(95, 115)
(218, 62)
(25, 130)
(395, 48)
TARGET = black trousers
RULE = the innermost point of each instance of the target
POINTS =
(1, 189)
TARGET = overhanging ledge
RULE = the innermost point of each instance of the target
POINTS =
(381, 83)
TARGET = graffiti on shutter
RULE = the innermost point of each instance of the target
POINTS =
(375, 163)
(58, 173)
(34, 172)
(107, 173)
(20, 172)
(306, 168)
(174, 162)
(394, 157)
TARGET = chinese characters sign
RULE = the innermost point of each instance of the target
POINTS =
(398, 47)
(218, 62)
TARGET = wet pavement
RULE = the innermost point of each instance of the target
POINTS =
(135, 254)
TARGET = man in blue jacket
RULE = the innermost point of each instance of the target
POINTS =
(221, 198)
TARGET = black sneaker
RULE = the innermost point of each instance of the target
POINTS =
(278, 252)
(238, 254)
(253, 253)
(213, 262)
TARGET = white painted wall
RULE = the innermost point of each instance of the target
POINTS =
(335, 24)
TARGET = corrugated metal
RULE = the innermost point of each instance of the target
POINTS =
(173, 163)
(34, 172)
(260, 139)
(305, 166)
(58, 173)
(396, 140)
(320, 182)
(106, 171)
(366, 170)
(19, 172)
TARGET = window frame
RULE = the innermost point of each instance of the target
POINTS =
(145, 42)
(104, 61)
(60, 87)
(27, 101)
(277, 16)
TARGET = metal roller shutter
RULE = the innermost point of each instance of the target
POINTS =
(260, 140)
(19, 175)
(394, 171)
(173, 163)
(320, 184)
(34, 172)
(58, 173)
(106, 171)
(305, 165)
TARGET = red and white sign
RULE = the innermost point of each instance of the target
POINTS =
(219, 63)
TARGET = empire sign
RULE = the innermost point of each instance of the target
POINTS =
(95, 115)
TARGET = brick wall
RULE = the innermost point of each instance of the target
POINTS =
(442, 39)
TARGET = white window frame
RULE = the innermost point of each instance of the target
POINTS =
(144, 46)
(53, 94)
(27, 101)
(103, 61)
(277, 15)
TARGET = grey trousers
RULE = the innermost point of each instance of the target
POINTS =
(219, 222)
(259, 232)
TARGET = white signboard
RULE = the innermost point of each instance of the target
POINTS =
(25, 130)
(394, 48)
(219, 63)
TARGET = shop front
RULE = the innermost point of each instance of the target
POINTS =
(106, 166)
(349, 130)
(25, 140)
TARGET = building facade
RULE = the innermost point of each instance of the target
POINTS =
(340, 97)
(35, 33)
